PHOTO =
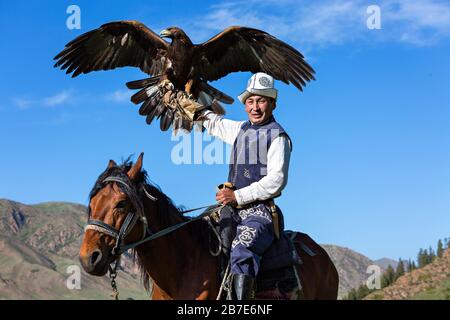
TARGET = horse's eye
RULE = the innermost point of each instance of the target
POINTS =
(121, 204)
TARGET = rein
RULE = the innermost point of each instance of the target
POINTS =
(172, 228)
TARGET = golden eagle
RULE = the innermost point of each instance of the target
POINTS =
(180, 70)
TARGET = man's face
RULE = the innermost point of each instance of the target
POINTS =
(259, 108)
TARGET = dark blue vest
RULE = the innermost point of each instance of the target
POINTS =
(248, 161)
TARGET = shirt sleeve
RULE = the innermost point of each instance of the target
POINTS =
(224, 129)
(273, 183)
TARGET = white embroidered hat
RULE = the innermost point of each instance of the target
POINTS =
(260, 84)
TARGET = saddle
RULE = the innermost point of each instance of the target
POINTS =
(278, 273)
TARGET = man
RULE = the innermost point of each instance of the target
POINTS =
(259, 171)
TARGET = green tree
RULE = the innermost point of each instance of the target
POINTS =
(431, 255)
(358, 293)
(351, 295)
(388, 277)
(409, 265)
(400, 269)
(425, 257)
(362, 291)
(440, 248)
(422, 258)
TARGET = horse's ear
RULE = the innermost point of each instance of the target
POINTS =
(136, 168)
(111, 164)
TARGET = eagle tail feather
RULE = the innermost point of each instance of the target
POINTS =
(139, 84)
(151, 91)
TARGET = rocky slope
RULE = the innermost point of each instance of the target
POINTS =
(429, 282)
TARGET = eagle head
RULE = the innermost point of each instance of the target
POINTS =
(174, 33)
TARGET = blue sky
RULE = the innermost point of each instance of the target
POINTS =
(371, 163)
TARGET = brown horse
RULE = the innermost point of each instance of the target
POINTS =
(124, 208)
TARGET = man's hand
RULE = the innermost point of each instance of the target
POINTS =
(226, 196)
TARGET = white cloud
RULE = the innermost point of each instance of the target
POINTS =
(67, 96)
(57, 99)
(22, 103)
(119, 96)
(51, 101)
(330, 22)
(420, 22)
(421, 13)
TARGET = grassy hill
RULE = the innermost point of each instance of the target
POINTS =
(440, 292)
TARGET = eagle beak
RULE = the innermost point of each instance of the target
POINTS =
(165, 34)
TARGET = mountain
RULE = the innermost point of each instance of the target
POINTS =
(39, 242)
(385, 262)
(429, 282)
(351, 266)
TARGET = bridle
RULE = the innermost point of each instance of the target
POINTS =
(128, 224)
(130, 220)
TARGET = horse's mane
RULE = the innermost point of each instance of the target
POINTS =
(167, 210)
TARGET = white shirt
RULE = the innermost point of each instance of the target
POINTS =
(278, 157)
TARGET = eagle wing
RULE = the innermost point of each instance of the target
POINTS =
(114, 45)
(246, 49)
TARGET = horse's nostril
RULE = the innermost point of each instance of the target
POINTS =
(96, 257)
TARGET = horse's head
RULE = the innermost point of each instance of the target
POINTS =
(116, 216)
